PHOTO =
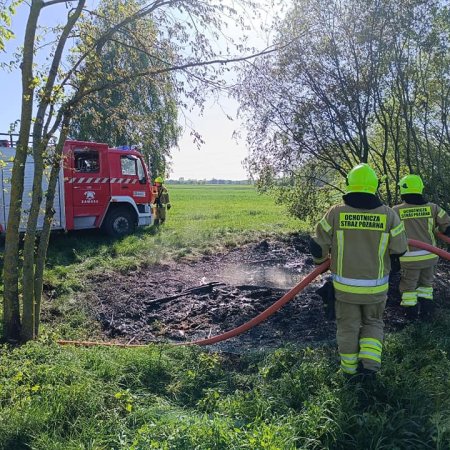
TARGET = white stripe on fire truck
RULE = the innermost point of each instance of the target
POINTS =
(100, 180)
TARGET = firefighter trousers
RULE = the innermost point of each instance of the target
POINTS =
(359, 335)
(416, 283)
(160, 214)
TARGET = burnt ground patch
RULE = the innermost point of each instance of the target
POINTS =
(190, 300)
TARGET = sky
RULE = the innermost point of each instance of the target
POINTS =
(219, 157)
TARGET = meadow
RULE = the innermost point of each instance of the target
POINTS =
(203, 219)
(182, 398)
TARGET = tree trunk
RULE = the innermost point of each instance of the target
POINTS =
(41, 136)
(29, 245)
(45, 235)
(11, 314)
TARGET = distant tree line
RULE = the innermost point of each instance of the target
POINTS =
(205, 181)
(363, 81)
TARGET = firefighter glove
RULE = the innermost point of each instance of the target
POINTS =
(395, 264)
(328, 298)
(169, 206)
(315, 249)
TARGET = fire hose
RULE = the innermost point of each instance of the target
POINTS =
(443, 237)
(272, 309)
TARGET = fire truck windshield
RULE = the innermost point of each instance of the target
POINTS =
(128, 164)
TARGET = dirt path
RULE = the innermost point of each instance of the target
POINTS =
(192, 300)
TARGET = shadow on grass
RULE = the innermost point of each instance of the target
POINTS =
(71, 247)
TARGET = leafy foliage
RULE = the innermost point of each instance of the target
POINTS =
(360, 82)
(185, 42)
(7, 10)
(142, 112)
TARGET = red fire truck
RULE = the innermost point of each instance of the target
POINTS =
(98, 187)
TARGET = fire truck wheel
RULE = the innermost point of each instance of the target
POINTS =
(120, 222)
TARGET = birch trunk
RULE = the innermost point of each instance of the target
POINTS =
(41, 136)
(11, 313)
(48, 219)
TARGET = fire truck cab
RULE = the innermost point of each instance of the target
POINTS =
(98, 187)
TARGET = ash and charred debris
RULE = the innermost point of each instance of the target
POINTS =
(188, 301)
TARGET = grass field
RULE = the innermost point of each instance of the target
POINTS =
(174, 398)
(221, 209)
(203, 219)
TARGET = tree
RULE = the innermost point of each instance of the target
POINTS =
(144, 112)
(7, 10)
(367, 82)
(189, 29)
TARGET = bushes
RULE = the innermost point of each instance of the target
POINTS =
(164, 397)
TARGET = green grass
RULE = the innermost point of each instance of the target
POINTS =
(167, 397)
(203, 219)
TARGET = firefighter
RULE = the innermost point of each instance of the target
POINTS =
(162, 201)
(360, 235)
(421, 218)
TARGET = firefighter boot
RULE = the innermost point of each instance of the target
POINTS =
(426, 308)
(367, 379)
(363, 375)
(412, 312)
(367, 374)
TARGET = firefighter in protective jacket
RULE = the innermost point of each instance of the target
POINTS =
(360, 235)
(421, 218)
(162, 201)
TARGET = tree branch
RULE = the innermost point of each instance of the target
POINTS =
(124, 80)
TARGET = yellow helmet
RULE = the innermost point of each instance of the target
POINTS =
(159, 180)
(362, 178)
(411, 184)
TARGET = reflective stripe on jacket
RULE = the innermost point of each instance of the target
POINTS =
(359, 242)
(421, 222)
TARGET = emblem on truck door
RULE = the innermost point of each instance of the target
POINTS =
(89, 197)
